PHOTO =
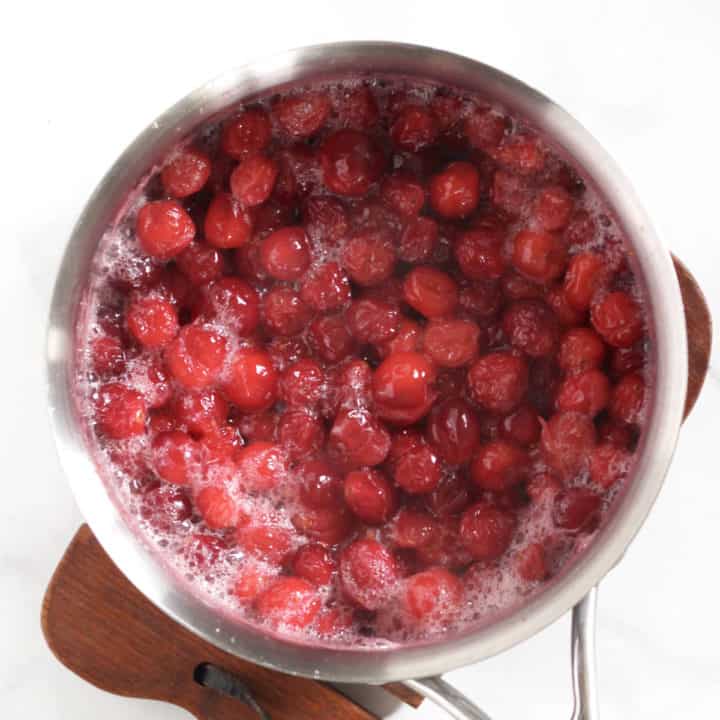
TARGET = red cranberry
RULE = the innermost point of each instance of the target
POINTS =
(372, 321)
(252, 181)
(585, 274)
(577, 509)
(530, 563)
(121, 412)
(403, 193)
(626, 359)
(499, 465)
(303, 114)
(586, 392)
(196, 356)
(445, 548)
(220, 445)
(522, 426)
(627, 398)
(568, 316)
(252, 382)
(403, 380)
(267, 542)
(566, 441)
(408, 338)
(540, 256)
(314, 563)
(203, 550)
(446, 109)
(581, 349)
(454, 431)
(326, 221)
(418, 240)
(368, 258)
(167, 503)
(234, 302)
(176, 456)
(301, 384)
(326, 525)
(246, 134)
(485, 129)
(358, 439)
(455, 192)
(581, 228)
(431, 292)
(353, 388)
(200, 263)
(326, 288)
(486, 531)
(418, 470)
(553, 208)
(300, 432)
(285, 254)
(431, 593)
(452, 342)
(227, 224)
(370, 496)
(412, 528)
(521, 155)
(358, 109)
(164, 229)
(351, 162)
(618, 319)
(368, 574)
(516, 287)
(331, 338)
(451, 497)
(261, 465)
(479, 254)
(414, 128)
(201, 411)
(186, 173)
(480, 299)
(261, 426)
(108, 356)
(543, 486)
(498, 381)
(320, 486)
(291, 603)
(252, 579)
(510, 192)
(284, 312)
(609, 464)
(217, 507)
(530, 326)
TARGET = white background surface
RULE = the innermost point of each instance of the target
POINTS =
(80, 81)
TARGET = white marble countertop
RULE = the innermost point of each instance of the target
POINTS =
(80, 80)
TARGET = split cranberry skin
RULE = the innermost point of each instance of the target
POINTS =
(585, 275)
(618, 319)
(121, 412)
(418, 240)
(499, 465)
(577, 510)
(581, 349)
(587, 392)
(368, 258)
(431, 292)
(227, 223)
(553, 208)
(453, 430)
(403, 380)
(566, 442)
(369, 575)
(285, 254)
(351, 163)
(186, 173)
(326, 288)
(479, 254)
(455, 192)
(539, 256)
(252, 381)
(532, 327)
(164, 229)
(330, 336)
(314, 563)
(487, 531)
(196, 356)
(418, 471)
(627, 399)
(357, 439)
(498, 381)
(284, 312)
(289, 603)
(432, 593)
(372, 321)
(246, 134)
(370, 496)
(452, 343)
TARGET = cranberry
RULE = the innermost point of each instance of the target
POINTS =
(227, 224)
(418, 240)
(370, 496)
(164, 229)
(498, 381)
(530, 326)
(200, 263)
(284, 312)
(246, 134)
(451, 497)
(414, 128)
(480, 299)
(261, 426)
(252, 382)
(581, 349)
(543, 486)
(510, 192)
(516, 287)
(326, 221)
(271, 543)
(446, 109)
(553, 208)
(609, 464)
(403, 380)
(353, 385)
(303, 114)
(530, 563)
(201, 411)
(577, 509)
(176, 457)
(408, 338)
(403, 193)
(452, 342)
(203, 550)
(585, 274)
(220, 444)
(326, 288)
(368, 258)
(291, 603)
(521, 155)
(522, 426)
(499, 465)
(285, 254)
(486, 531)
(121, 411)
(618, 319)
(252, 181)
(431, 593)
(196, 356)
(485, 129)
(233, 302)
(217, 507)
(445, 548)
(627, 398)
(581, 228)
(372, 321)
(301, 384)
(261, 465)
(431, 292)
(614, 432)
(566, 441)
(539, 256)
(152, 321)
(368, 573)
(568, 316)
(108, 356)
(351, 162)
(186, 173)
(358, 439)
(325, 525)
(331, 338)
(167, 502)
(412, 528)
(402, 443)
(320, 486)
(358, 108)
(301, 432)
(418, 471)
(479, 254)
(626, 359)
(455, 192)
(454, 431)
(252, 579)
(314, 563)
(586, 392)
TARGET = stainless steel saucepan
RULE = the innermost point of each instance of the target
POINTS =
(418, 665)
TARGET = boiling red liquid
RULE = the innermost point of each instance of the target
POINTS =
(365, 362)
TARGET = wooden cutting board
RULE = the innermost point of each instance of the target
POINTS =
(104, 630)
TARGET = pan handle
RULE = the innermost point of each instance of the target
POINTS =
(460, 707)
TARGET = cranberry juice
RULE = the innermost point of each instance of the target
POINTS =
(365, 362)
